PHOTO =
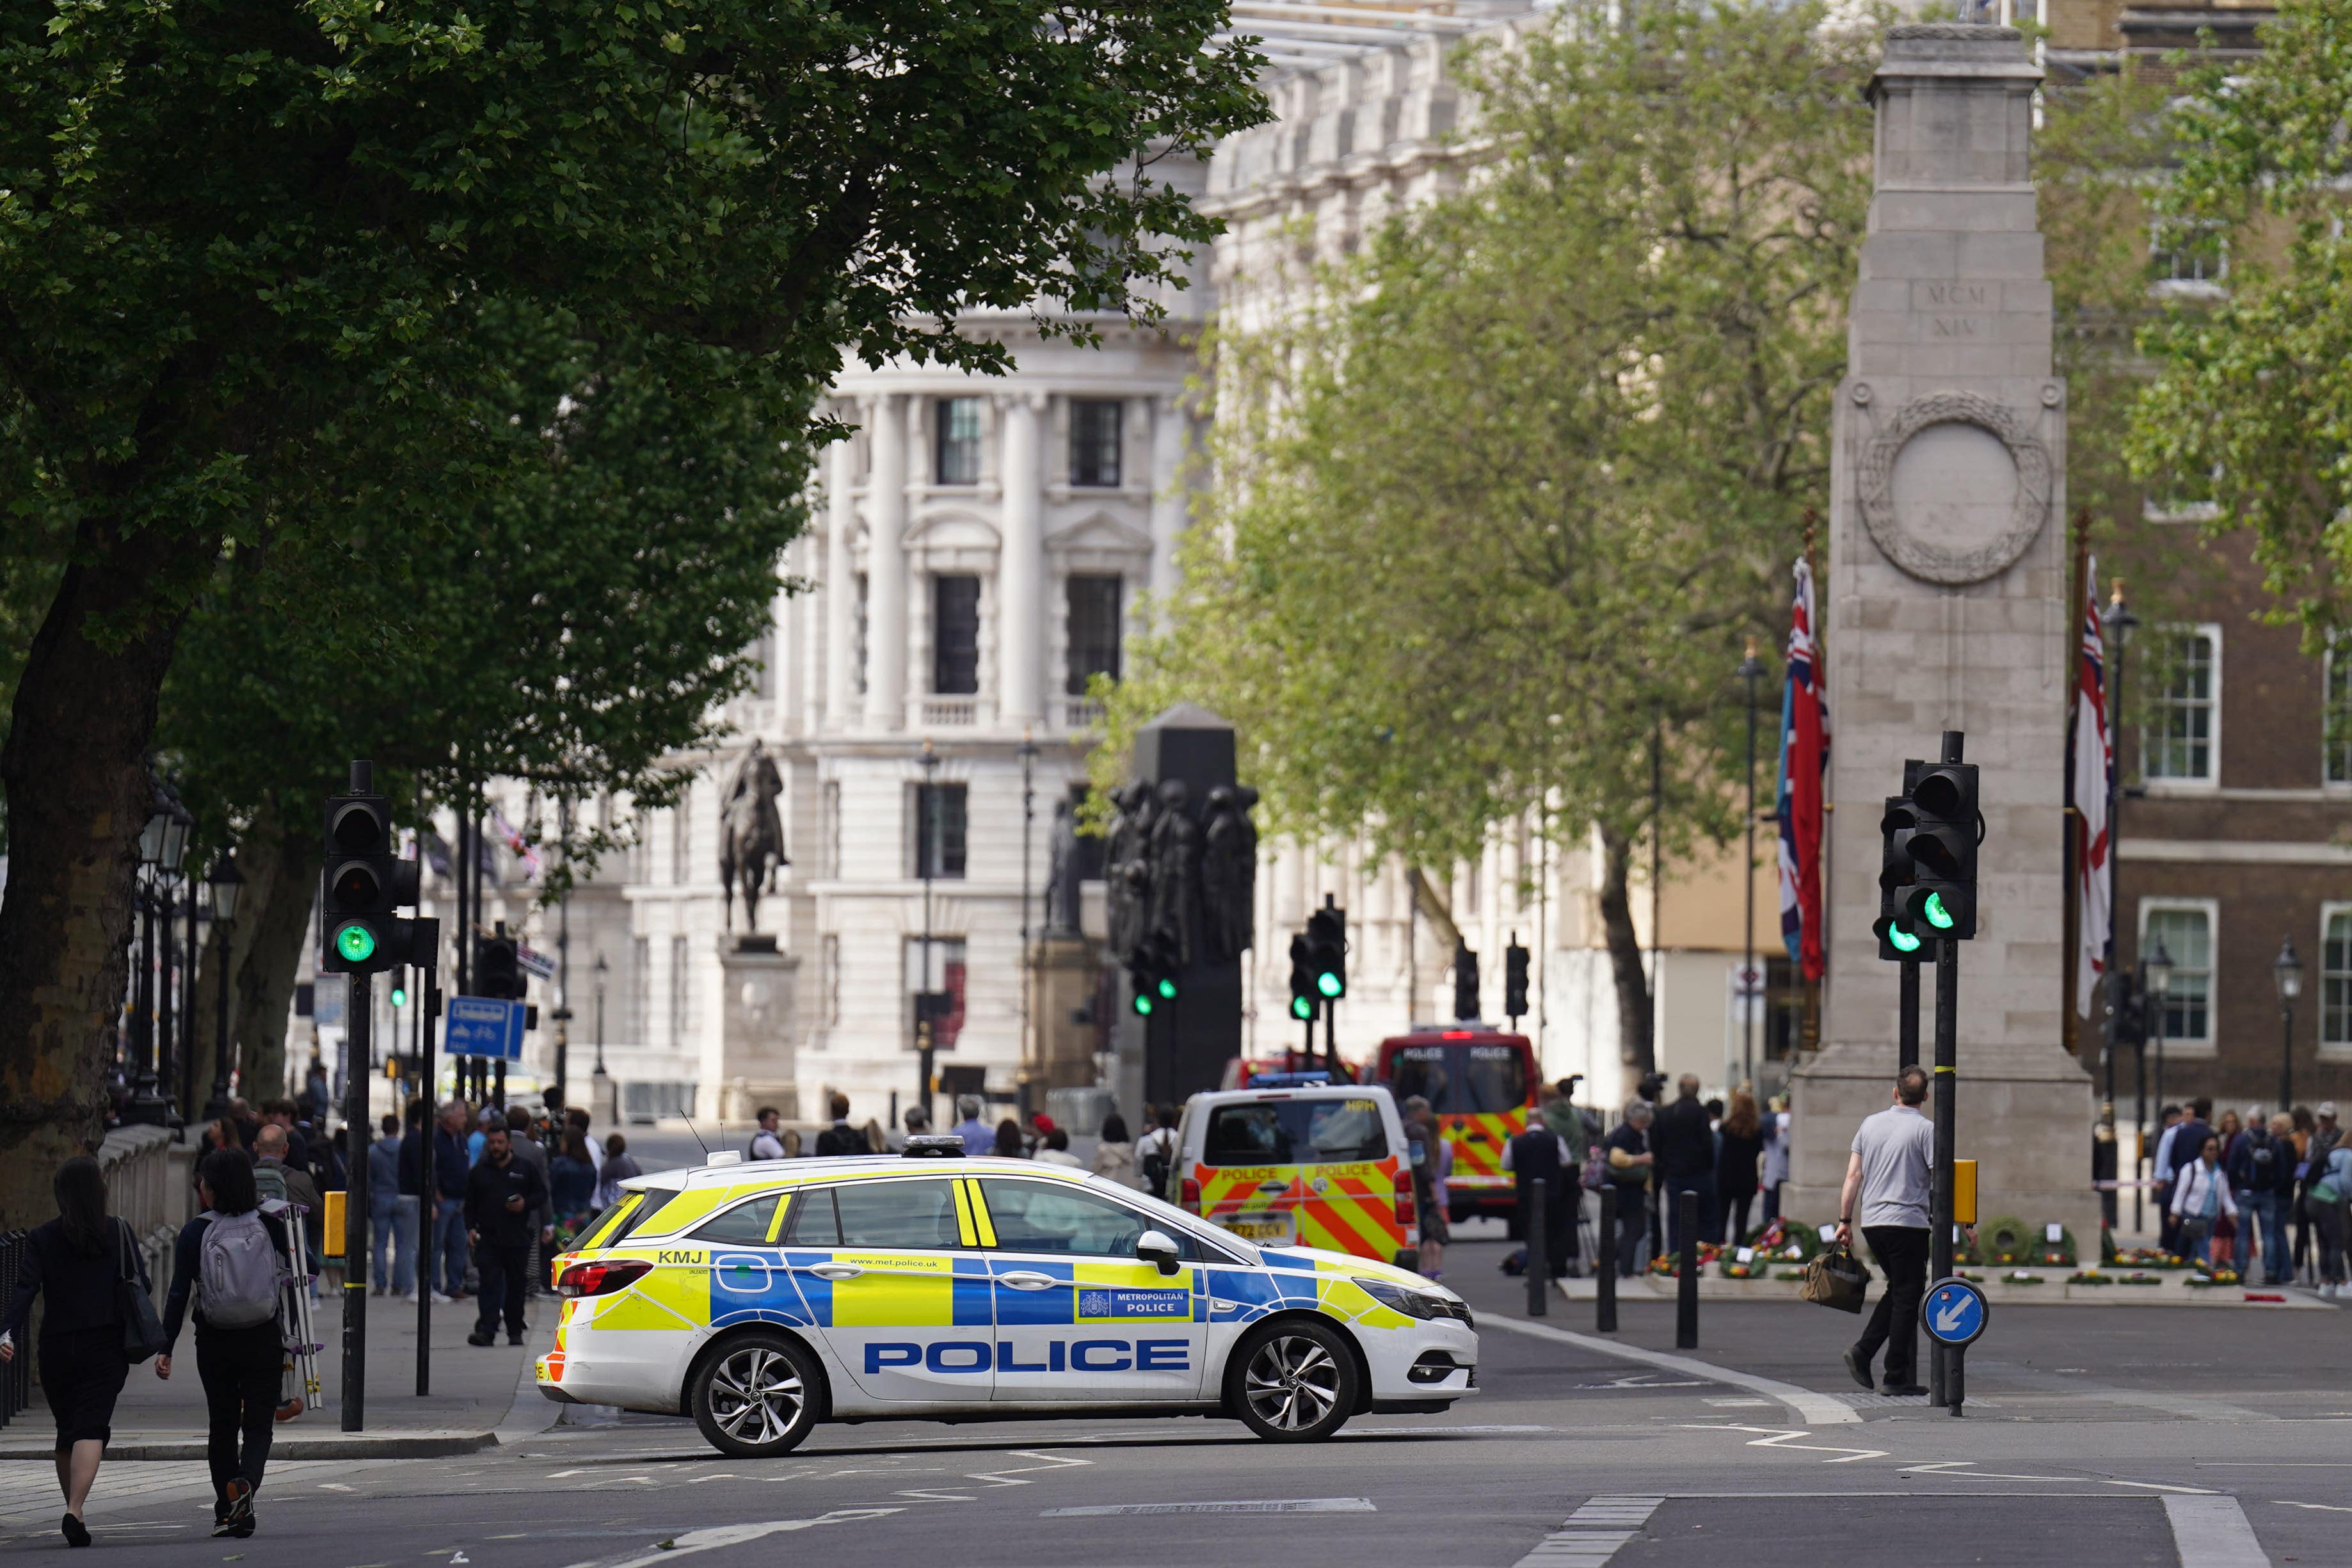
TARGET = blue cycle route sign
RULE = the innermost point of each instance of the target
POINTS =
(1954, 1312)
(483, 1026)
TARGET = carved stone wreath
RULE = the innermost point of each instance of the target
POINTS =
(1933, 563)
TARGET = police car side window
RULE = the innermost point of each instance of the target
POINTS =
(897, 1214)
(745, 1225)
(811, 1221)
(1053, 1216)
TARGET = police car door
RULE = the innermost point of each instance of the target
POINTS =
(890, 1270)
(1078, 1316)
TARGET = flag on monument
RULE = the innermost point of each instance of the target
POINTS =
(1804, 760)
(516, 843)
(2090, 767)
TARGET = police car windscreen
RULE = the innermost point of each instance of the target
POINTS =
(1296, 1132)
(1461, 1080)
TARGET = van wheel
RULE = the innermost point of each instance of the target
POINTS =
(1293, 1381)
(757, 1396)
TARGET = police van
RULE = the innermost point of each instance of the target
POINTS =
(1296, 1161)
(763, 1297)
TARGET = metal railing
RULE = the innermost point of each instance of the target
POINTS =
(17, 1376)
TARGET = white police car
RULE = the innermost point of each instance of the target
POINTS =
(764, 1297)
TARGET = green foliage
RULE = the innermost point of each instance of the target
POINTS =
(2252, 407)
(1493, 500)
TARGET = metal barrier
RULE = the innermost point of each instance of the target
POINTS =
(17, 1376)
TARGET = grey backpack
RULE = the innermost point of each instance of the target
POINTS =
(238, 1272)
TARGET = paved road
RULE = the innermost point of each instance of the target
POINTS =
(2131, 1435)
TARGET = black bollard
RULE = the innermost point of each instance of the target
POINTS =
(1604, 1278)
(1686, 1287)
(1538, 1261)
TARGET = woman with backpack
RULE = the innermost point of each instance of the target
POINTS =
(232, 1258)
(80, 1263)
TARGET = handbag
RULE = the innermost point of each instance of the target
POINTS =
(1836, 1279)
(142, 1330)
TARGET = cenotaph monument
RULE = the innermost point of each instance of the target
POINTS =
(1946, 609)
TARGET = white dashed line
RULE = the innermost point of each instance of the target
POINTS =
(1591, 1536)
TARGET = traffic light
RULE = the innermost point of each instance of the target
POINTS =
(1514, 980)
(1304, 997)
(1326, 951)
(1942, 847)
(400, 985)
(496, 971)
(1152, 975)
(364, 883)
(1898, 939)
(1465, 980)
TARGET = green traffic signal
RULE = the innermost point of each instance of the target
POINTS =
(1900, 940)
(400, 996)
(355, 943)
(1937, 915)
(1302, 1009)
(1329, 983)
(1167, 988)
(1143, 1003)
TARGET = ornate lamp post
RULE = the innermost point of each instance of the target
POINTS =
(2287, 972)
(227, 884)
(161, 843)
(600, 1082)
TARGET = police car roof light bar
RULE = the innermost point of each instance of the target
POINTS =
(935, 1146)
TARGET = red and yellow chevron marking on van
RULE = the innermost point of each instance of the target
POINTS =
(1344, 1208)
(1479, 1142)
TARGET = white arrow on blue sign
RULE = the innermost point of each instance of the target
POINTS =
(483, 1026)
(1954, 1312)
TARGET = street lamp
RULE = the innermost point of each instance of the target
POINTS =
(1750, 671)
(2155, 991)
(2288, 973)
(600, 1082)
(227, 884)
(162, 842)
(926, 1019)
(2118, 621)
(1028, 816)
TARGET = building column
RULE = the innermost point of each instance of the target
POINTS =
(1021, 563)
(885, 568)
(1167, 496)
(841, 582)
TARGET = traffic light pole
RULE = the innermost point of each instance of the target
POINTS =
(429, 1009)
(358, 1010)
(1945, 1383)
(1906, 1016)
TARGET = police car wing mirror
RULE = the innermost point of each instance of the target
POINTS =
(1155, 1247)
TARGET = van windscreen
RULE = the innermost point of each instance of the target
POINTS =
(1296, 1132)
(1460, 1079)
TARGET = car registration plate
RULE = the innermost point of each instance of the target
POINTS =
(1277, 1227)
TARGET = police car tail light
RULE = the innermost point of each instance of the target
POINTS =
(1189, 1197)
(1405, 1209)
(601, 1279)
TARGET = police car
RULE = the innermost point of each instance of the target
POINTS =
(763, 1298)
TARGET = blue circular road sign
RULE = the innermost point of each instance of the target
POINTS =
(1955, 1312)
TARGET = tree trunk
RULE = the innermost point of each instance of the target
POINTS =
(282, 879)
(76, 770)
(1636, 1034)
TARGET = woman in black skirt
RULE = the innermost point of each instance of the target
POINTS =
(75, 1263)
(239, 1365)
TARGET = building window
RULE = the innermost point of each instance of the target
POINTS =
(828, 959)
(957, 441)
(2187, 932)
(641, 990)
(1094, 425)
(857, 638)
(681, 995)
(681, 841)
(2181, 738)
(2187, 255)
(955, 635)
(944, 981)
(2336, 975)
(939, 830)
(1094, 628)
(2336, 737)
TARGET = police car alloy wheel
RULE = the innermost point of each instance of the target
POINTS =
(1293, 1381)
(756, 1395)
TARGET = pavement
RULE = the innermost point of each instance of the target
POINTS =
(2122, 1437)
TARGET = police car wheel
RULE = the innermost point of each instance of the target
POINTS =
(1293, 1381)
(757, 1394)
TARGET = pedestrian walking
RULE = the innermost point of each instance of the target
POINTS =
(2104, 1164)
(1631, 1162)
(411, 1199)
(2251, 1160)
(275, 1178)
(767, 1143)
(77, 1265)
(1886, 1187)
(577, 1116)
(619, 1166)
(1009, 1141)
(916, 1123)
(1538, 1156)
(1056, 1151)
(444, 1268)
(392, 1217)
(977, 1137)
(840, 1139)
(1114, 1151)
(228, 1267)
(2160, 1171)
(2306, 1127)
(1685, 1145)
(2201, 1200)
(2328, 1189)
(1738, 1167)
(572, 1184)
(529, 1149)
(286, 1113)
(1155, 1155)
(504, 1197)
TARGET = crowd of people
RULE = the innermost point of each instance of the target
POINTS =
(1139, 1164)
(2251, 1190)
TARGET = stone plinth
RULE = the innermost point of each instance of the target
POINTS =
(757, 1057)
(1064, 977)
(1946, 609)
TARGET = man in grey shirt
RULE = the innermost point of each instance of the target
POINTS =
(1886, 1173)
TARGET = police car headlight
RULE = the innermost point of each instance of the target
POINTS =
(1423, 1304)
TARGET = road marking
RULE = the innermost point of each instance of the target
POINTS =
(1812, 1408)
(2213, 1533)
(2314, 1506)
(1007, 1477)
(1641, 1380)
(1952, 1467)
(1281, 1505)
(732, 1535)
(1591, 1536)
(1775, 1437)
(1734, 1403)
